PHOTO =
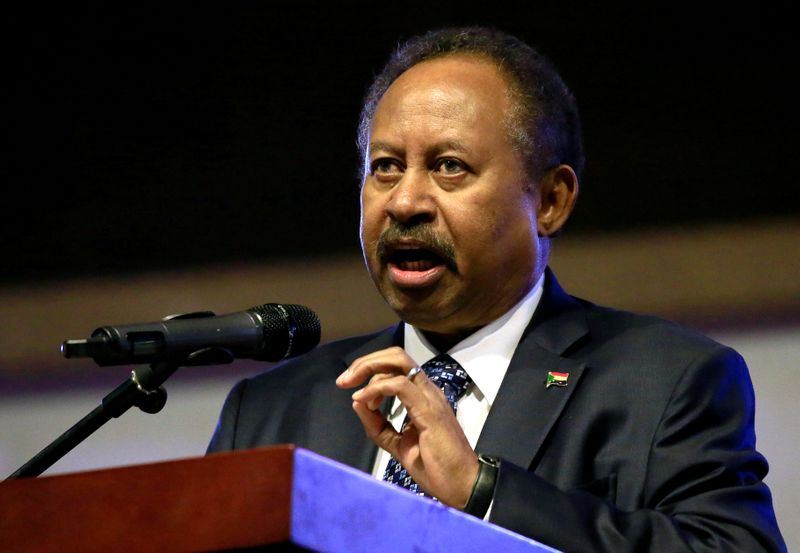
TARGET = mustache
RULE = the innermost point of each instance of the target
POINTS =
(421, 233)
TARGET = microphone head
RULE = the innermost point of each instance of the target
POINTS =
(289, 330)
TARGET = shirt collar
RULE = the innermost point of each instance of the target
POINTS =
(486, 353)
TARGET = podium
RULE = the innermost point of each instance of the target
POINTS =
(278, 498)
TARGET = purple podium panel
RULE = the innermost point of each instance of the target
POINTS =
(336, 508)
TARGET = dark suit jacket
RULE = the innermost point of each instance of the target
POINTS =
(649, 447)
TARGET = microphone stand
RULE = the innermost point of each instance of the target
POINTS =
(143, 390)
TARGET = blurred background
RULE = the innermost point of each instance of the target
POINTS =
(162, 160)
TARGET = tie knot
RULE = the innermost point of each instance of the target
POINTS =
(451, 377)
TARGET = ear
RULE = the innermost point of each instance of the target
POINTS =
(558, 192)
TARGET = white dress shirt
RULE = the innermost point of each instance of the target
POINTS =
(484, 355)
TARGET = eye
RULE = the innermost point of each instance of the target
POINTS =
(385, 167)
(451, 166)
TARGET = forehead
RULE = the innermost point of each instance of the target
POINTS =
(455, 93)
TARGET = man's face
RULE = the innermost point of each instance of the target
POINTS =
(448, 225)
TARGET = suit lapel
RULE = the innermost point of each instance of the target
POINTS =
(525, 410)
(337, 433)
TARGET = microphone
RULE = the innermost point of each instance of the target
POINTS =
(268, 332)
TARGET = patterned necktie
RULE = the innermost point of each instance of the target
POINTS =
(445, 372)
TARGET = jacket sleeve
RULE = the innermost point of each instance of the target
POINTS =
(703, 492)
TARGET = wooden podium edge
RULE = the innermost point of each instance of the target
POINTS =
(219, 502)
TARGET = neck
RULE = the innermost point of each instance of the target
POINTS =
(444, 342)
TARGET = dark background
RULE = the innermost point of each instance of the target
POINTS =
(154, 137)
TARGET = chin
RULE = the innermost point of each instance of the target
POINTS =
(410, 311)
(425, 318)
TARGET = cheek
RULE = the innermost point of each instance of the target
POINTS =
(475, 230)
(497, 235)
(366, 205)
(371, 222)
(484, 223)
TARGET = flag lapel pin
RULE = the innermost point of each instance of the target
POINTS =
(556, 379)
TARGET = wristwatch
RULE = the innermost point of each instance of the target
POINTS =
(483, 489)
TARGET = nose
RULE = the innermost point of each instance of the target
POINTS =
(411, 200)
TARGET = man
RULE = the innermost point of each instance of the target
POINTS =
(597, 430)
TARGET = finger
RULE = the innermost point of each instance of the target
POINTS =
(397, 385)
(376, 427)
(376, 402)
(392, 360)
(424, 401)
(383, 387)
(401, 445)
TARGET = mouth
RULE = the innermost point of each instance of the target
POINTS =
(412, 259)
(413, 265)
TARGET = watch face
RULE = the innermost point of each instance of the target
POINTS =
(490, 460)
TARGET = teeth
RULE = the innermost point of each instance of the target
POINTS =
(422, 265)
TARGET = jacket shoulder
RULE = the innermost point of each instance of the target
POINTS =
(613, 327)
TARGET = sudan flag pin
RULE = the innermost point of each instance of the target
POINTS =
(556, 379)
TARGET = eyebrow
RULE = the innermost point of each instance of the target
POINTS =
(383, 146)
(451, 145)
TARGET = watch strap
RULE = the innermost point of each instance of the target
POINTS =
(483, 488)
